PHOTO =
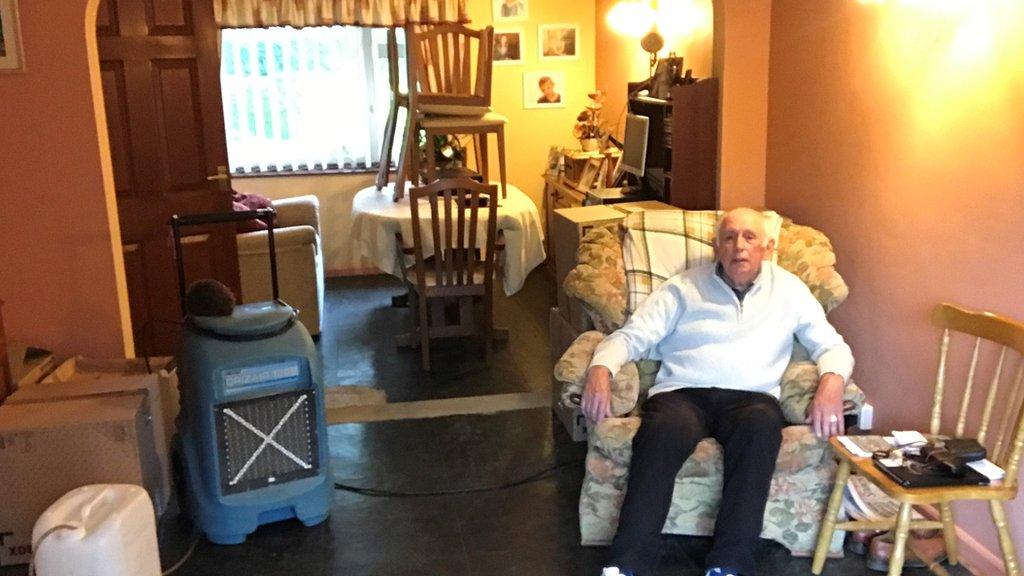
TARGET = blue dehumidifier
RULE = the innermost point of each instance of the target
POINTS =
(252, 444)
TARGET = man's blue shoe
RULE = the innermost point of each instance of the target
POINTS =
(721, 572)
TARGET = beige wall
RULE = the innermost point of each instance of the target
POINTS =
(898, 131)
(58, 270)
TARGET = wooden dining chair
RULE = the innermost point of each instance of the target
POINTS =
(399, 100)
(461, 229)
(449, 70)
(1001, 419)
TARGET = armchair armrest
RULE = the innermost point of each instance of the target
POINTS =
(256, 242)
(571, 371)
(799, 384)
(298, 211)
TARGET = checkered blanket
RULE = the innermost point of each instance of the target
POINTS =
(659, 244)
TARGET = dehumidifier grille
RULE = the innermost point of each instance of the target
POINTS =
(267, 441)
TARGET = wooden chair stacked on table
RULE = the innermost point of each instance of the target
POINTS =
(399, 100)
(1002, 415)
(449, 70)
(459, 267)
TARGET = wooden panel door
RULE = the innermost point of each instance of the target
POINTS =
(159, 65)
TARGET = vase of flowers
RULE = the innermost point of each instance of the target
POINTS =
(589, 128)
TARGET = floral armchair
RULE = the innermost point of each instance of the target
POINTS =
(805, 468)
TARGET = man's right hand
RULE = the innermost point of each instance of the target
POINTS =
(597, 395)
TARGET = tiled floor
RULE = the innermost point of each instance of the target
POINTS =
(358, 347)
(529, 530)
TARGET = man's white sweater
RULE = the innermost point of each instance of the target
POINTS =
(706, 337)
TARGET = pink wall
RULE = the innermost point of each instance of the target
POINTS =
(58, 271)
(899, 132)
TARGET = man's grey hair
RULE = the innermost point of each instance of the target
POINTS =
(725, 215)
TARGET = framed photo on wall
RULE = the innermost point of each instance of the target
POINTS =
(558, 41)
(508, 46)
(510, 10)
(11, 58)
(543, 89)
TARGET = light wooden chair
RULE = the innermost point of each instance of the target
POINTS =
(449, 70)
(460, 266)
(1002, 415)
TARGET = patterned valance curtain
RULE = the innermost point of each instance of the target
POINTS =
(302, 13)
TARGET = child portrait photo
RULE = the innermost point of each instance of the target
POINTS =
(543, 89)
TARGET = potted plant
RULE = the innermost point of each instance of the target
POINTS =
(449, 155)
(589, 127)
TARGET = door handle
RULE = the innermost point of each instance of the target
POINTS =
(222, 175)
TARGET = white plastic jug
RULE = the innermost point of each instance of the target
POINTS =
(98, 530)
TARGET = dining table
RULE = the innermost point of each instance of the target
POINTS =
(377, 218)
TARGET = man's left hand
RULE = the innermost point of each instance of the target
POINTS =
(825, 414)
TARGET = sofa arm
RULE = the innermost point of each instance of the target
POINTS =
(284, 238)
(298, 211)
(799, 384)
(571, 371)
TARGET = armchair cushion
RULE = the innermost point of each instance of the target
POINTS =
(599, 279)
(284, 238)
(808, 253)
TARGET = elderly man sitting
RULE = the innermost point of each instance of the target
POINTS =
(724, 334)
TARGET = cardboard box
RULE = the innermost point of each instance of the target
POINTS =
(148, 385)
(81, 368)
(49, 448)
(570, 225)
(630, 207)
(560, 336)
(28, 364)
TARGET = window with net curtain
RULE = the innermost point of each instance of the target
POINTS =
(306, 100)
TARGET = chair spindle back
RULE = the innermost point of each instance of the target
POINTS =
(455, 235)
(1009, 425)
(451, 64)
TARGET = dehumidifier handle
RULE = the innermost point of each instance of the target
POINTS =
(267, 215)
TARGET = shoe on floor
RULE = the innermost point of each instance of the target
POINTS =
(720, 572)
(920, 553)
(614, 571)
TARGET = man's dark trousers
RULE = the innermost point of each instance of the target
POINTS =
(748, 425)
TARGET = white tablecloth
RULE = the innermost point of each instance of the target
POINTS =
(376, 218)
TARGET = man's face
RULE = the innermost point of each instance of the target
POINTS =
(741, 245)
